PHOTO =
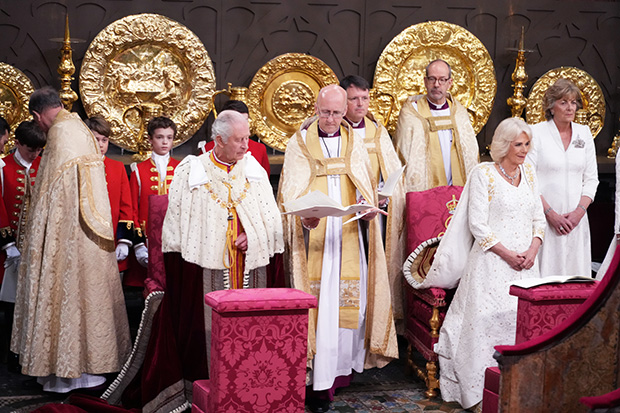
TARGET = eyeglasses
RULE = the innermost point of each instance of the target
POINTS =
(442, 80)
(327, 113)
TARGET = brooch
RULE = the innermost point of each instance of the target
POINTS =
(579, 143)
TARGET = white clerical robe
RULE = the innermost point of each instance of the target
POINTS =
(337, 357)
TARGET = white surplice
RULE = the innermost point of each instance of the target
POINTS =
(337, 357)
(483, 314)
(564, 177)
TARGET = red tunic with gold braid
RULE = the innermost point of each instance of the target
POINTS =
(123, 218)
(17, 185)
(148, 184)
(144, 181)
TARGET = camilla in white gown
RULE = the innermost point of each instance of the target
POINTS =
(507, 223)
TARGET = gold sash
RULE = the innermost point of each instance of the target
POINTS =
(437, 173)
(350, 260)
(371, 141)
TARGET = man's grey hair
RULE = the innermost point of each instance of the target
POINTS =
(224, 124)
(43, 99)
(439, 60)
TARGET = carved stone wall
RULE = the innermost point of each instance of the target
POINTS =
(348, 35)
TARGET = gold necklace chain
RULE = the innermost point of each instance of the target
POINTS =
(226, 204)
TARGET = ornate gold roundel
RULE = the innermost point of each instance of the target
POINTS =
(143, 66)
(283, 93)
(15, 91)
(591, 96)
(400, 69)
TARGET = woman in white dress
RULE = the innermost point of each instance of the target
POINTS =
(507, 223)
(564, 157)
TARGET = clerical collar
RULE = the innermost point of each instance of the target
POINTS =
(438, 107)
(22, 161)
(323, 134)
(359, 125)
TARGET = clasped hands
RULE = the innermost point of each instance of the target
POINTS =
(565, 223)
(524, 260)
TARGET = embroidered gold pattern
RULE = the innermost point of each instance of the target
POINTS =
(226, 204)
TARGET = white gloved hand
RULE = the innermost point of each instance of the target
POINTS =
(12, 256)
(142, 254)
(122, 251)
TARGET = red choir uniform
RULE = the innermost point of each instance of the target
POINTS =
(257, 150)
(119, 193)
(144, 182)
(17, 186)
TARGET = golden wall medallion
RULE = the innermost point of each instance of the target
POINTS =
(283, 93)
(143, 66)
(15, 91)
(400, 69)
(593, 111)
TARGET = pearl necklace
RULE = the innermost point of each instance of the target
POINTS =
(513, 177)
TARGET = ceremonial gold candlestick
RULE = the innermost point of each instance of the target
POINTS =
(518, 101)
(66, 69)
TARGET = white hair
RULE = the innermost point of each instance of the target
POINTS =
(224, 124)
(507, 131)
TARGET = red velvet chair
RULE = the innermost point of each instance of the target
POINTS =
(258, 351)
(428, 215)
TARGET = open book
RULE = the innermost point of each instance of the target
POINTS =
(390, 183)
(318, 205)
(553, 279)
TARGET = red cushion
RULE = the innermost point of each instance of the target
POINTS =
(565, 291)
(491, 379)
(260, 299)
(200, 396)
(490, 402)
(543, 307)
(428, 213)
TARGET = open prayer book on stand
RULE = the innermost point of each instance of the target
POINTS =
(318, 205)
(553, 279)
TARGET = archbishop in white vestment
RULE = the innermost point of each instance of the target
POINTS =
(354, 328)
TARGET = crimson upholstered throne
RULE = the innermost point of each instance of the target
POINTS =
(428, 215)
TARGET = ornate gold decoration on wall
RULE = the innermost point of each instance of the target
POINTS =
(142, 66)
(15, 91)
(593, 112)
(283, 93)
(66, 69)
(400, 68)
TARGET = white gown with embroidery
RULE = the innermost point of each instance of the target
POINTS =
(483, 314)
